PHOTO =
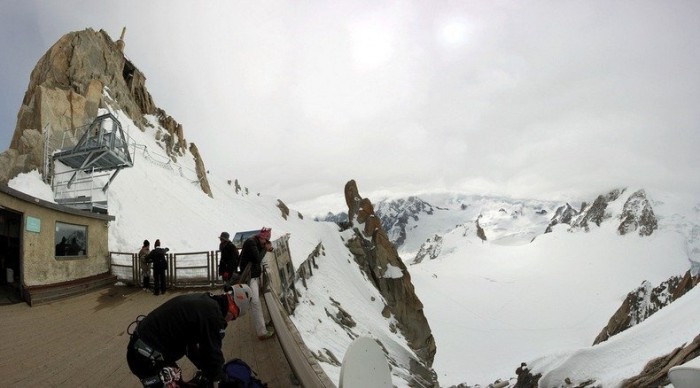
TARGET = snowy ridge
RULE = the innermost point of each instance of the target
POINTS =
(409, 222)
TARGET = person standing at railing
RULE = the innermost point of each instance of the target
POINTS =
(160, 265)
(252, 254)
(145, 265)
(228, 264)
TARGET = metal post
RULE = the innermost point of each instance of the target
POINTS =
(135, 269)
(171, 271)
(303, 277)
(104, 189)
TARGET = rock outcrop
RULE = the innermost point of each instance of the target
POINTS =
(81, 73)
(378, 258)
(655, 372)
(638, 215)
(526, 379)
(643, 302)
(479, 230)
(430, 249)
(200, 169)
(563, 215)
(595, 213)
(395, 216)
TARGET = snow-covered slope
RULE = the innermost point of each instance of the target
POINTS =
(624, 354)
(499, 305)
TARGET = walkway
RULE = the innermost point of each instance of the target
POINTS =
(81, 342)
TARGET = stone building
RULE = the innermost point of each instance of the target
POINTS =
(48, 251)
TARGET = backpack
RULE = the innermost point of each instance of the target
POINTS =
(238, 374)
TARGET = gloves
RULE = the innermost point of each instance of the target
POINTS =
(225, 276)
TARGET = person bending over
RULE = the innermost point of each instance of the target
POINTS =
(191, 325)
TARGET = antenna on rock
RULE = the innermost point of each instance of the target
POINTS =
(120, 42)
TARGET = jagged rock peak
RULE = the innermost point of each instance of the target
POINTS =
(646, 300)
(563, 215)
(394, 215)
(595, 213)
(81, 73)
(655, 372)
(637, 214)
(378, 258)
(79, 67)
(411, 206)
(340, 218)
(430, 249)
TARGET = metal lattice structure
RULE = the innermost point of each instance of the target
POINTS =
(101, 151)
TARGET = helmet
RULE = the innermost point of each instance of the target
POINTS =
(241, 295)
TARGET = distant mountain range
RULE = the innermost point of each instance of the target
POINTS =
(418, 226)
(413, 223)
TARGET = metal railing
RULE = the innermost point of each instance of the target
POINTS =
(200, 269)
(187, 269)
(123, 265)
(193, 269)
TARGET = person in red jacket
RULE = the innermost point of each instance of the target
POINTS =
(191, 325)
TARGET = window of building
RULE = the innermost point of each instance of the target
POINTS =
(70, 239)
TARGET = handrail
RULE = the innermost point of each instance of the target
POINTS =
(300, 358)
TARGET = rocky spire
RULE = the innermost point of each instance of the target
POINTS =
(81, 73)
(378, 258)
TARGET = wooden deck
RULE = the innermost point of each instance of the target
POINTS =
(81, 342)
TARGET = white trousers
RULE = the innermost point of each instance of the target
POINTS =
(256, 307)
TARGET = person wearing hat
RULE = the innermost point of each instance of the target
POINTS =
(228, 263)
(252, 254)
(191, 325)
(145, 265)
(158, 256)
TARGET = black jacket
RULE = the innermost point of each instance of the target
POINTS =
(229, 258)
(186, 321)
(158, 258)
(253, 252)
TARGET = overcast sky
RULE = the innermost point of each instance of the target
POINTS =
(539, 99)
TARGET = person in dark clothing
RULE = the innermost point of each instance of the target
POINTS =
(145, 266)
(73, 248)
(62, 247)
(160, 264)
(228, 264)
(191, 325)
(252, 253)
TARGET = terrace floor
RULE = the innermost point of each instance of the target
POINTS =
(81, 342)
